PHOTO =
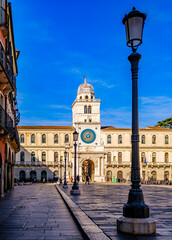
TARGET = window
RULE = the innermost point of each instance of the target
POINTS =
(43, 156)
(22, 138)
(91, 97)
(90, 120)
(22, 156)
(143, 175)
(43, 138)
(56, 157)
(120, 139)
(66, 138)
(119, 174)
(56, 138)
(153, 175)
(85, 109)
(153, 139)
(154, 157)
(166, 175)
(109, 138)
(166, 139)
(143, 157)
(143, 139)
(86, 97)
(33, 138)
(89, 109)
(85, 120)
(33, 157)
(120, 157)
(80, 97)
(108, 157)
(166, 157)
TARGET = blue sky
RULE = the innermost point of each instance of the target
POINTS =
(63, 40)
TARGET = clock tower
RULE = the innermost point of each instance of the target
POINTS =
(86, 120)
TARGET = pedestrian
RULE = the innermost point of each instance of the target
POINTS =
(78, 178)
(87, 179)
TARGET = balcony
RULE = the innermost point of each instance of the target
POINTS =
(14, 140)
(4, 22)
(6, 123)
(7, 78)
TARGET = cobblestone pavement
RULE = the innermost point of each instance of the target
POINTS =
(36, 212)
(103, 203)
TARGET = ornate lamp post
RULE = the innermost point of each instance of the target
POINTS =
(65, 183)
(60, 171)
(75, 188)
(135, 218)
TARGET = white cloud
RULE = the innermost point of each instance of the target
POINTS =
(60, 107)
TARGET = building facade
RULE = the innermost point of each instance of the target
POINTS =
(104, 153)
(9, 114)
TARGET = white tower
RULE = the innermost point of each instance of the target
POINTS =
(86, 120)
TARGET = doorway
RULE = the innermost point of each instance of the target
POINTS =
(88, 169)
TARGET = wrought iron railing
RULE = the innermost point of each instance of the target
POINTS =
(16, 136)
(4, 19)
(6, 121)
(7, 67)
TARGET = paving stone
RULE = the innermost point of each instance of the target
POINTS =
(103, 204)
(36, 212)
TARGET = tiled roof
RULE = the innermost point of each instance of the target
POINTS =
(46, 127)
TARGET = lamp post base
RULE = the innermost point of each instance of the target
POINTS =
(75, 192)
(65, 186)
(136, 226)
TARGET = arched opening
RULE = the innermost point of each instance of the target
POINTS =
(43, 138)
(166, 139)
(166, 157)
(88, 169)
(43, 176)
(166, 175)
(154, 157)
(22, 138)
(143, 157)
(119, 175)
(154, 175)
(120, 139)
(89, 109)
(56, 176)
(109, 176)
(33, 138)
(66, 138)
(86, 97)
(109, 138)
(22, 156)
(143, 139)
(85, 109)
(32, 156)
(56, 138)
(32, 175)
(22, 176)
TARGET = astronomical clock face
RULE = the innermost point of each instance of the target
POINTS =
(88, 136)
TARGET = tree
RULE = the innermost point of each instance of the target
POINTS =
(167, 123)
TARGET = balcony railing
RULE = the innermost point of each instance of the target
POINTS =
(4, 21)
(16, 137)
(7, 67)
(6, 121)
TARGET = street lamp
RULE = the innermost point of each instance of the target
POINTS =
(75, 188)
(135, 218)
(65, 183)
(60, 171)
